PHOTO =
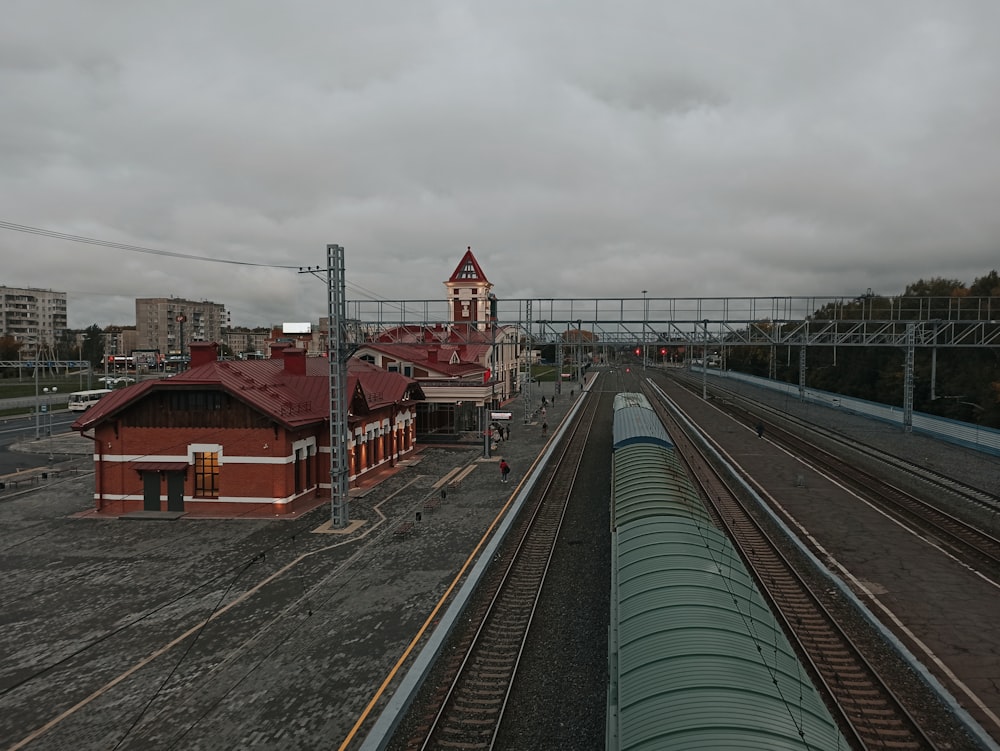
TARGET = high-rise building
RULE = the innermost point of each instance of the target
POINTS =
(169, 324)
(32, 315)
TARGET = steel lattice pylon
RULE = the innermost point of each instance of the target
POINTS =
(337, 354)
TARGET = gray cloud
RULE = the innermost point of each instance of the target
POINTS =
(582, 149)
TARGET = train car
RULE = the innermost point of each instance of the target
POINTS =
(635, 422)
(696, 658)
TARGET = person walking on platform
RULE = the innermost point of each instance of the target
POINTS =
(545, 428)
(760, 430)
(504, 470)
(506, 432)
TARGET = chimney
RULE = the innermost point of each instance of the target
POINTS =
(203, 353)
(277, 350)
(295, 361)
(432, 354)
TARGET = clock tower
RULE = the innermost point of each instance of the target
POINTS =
(469, 297)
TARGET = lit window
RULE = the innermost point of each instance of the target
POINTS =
(206, 474)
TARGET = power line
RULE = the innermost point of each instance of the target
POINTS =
(167, 253)
(133, 248)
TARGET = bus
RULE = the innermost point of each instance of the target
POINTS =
(79, 401)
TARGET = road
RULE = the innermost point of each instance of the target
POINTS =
(18, 429)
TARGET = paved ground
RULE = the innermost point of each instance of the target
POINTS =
(246, 633)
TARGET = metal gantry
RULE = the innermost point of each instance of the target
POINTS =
(752, 321)
(529, 348)
(908, 380)
(724, 323)
(338, 353)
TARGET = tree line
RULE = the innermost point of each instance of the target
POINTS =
(966, 381)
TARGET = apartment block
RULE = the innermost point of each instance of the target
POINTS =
(170, 324)
(248, 342)
(30, 314)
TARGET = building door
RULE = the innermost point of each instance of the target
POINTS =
(150, 491)
(175, 491)
(299, 470)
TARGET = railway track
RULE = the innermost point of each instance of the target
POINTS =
(470, 691)
(730, 400)
(871, 713)
(968, 542)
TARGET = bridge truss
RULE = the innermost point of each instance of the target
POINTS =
(749, 321)
(721, 322)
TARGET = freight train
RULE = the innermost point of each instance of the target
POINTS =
(696, 658)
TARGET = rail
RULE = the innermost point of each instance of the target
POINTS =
(869, 709)
(474, 684)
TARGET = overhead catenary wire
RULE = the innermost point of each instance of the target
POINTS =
(15, 227)
(134, 248)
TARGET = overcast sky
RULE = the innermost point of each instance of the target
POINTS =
(582, 148)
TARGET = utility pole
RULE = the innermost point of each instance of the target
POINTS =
(37, 403)
(579, 350)
(181, 318)
(526, 382)
(645, 320)
(704, 362)
(338, 353)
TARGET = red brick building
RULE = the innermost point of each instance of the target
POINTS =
(464, 366)
(241, 438)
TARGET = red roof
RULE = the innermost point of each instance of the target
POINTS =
(416, 343)
(468, 270)
(289, 399)
(419, 355)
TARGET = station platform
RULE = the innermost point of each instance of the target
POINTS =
(314, 629)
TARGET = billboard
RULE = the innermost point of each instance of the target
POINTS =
(296, 328)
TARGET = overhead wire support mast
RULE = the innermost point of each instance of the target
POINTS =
(338, 352)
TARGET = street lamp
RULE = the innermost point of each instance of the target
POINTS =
(579, 350)
(704, 362)
(181, 318)
(47, 407)
(37, 399)
(645, 319)
(48, 410)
